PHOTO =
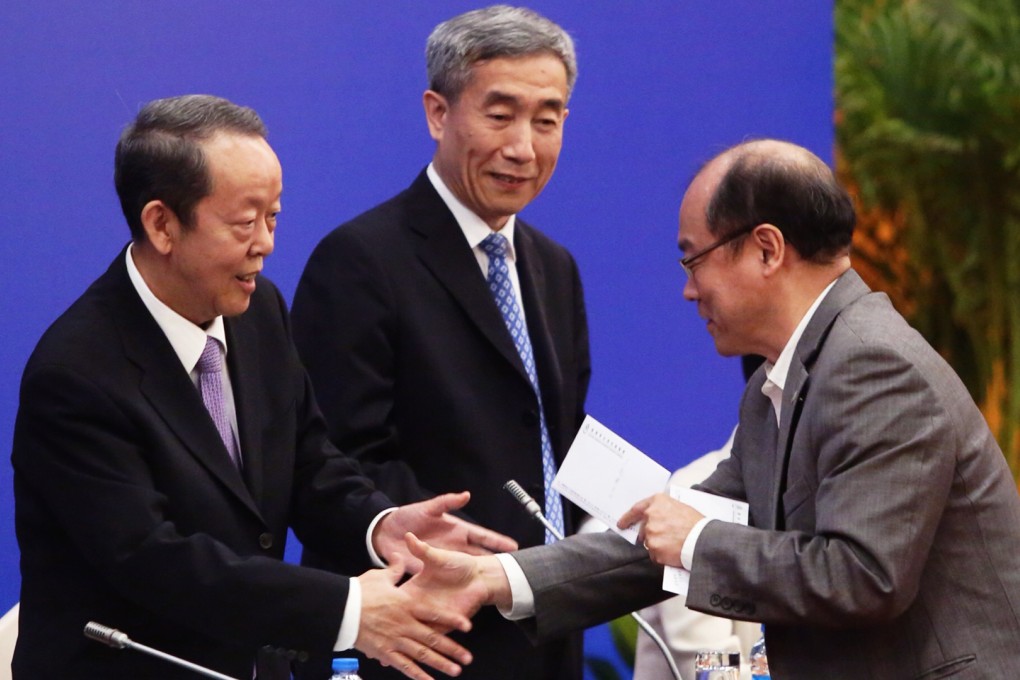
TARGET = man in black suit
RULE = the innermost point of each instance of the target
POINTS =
(155, 480)
(413, 362)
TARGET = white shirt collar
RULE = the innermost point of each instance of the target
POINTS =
(474, 227)
(776, 373)
(187, 339)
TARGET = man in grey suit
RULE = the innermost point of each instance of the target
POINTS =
(884, 537)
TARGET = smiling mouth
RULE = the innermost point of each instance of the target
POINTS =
(247, 278)
(509, 179)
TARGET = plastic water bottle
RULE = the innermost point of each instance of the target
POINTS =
(345, 669)
(759, 659)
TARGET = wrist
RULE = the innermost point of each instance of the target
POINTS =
(495, 582)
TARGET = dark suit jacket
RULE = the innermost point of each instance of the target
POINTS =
(129, 511)
(885, 539)
(419, 378)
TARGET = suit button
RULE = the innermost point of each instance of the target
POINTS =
(266, 541)
(530, 418)
(714, 600)
(302, 656)
(727, 603)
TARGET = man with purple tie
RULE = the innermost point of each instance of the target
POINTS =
(167, 438)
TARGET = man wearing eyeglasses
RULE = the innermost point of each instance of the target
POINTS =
(884, 537)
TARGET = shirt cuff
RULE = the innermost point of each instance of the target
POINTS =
(373, 555)
(523, 599)
(590, 525)
(687, 551)
(350, 625)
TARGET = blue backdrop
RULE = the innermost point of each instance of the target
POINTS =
(662, 86)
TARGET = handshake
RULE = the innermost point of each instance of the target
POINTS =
(404, 626)
(443, 596)
(456, 572)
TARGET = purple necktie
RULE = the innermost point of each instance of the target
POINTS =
(210, 383)
(496, 246)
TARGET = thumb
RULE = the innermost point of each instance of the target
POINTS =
(395, 569)
(416, 546)
(448, 502)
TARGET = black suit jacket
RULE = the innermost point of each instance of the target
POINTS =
(129, 511)
(419, 378)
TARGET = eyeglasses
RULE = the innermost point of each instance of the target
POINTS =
(688, 262)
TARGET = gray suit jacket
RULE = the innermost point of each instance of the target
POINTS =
(885, 526)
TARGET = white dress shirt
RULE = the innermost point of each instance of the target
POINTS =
(475, 231)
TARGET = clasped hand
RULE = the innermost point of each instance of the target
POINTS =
(406, 626)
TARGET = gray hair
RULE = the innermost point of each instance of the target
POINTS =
(490, 33)
(159, 155)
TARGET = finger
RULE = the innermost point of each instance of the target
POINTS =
(414, 566)
(405, 665)
(629, 518)
(490, 541)
(417, 547)
(421, 553)
(435, 649)
(395, 568)
(447, 502)
(442, 619)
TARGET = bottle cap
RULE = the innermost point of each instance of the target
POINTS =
(345, 665)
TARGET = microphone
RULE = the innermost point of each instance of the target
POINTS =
(533, 509)
(111, 637)
(108, 636)
(531, 505)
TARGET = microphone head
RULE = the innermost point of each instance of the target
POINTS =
(522, 497)
(108, 636)
(517, 491)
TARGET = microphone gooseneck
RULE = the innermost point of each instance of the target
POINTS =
(118, 640)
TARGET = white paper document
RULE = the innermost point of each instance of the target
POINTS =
(675, 579)
(605, 475)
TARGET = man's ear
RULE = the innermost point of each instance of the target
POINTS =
(162, 228)
(436, 108)
(770, 242)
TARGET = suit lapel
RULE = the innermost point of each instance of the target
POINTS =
(246, 380)
(533, 291)
(168, 388)
(849, 288)
(444, 251)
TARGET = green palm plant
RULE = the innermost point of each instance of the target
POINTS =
(928, 133)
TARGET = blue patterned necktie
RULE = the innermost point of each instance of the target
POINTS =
(210, 383)
(495, 246)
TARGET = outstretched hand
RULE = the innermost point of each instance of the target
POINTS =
(455, 582)
(431, 521)
(402, 631)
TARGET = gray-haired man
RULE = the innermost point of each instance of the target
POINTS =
(422, 376)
